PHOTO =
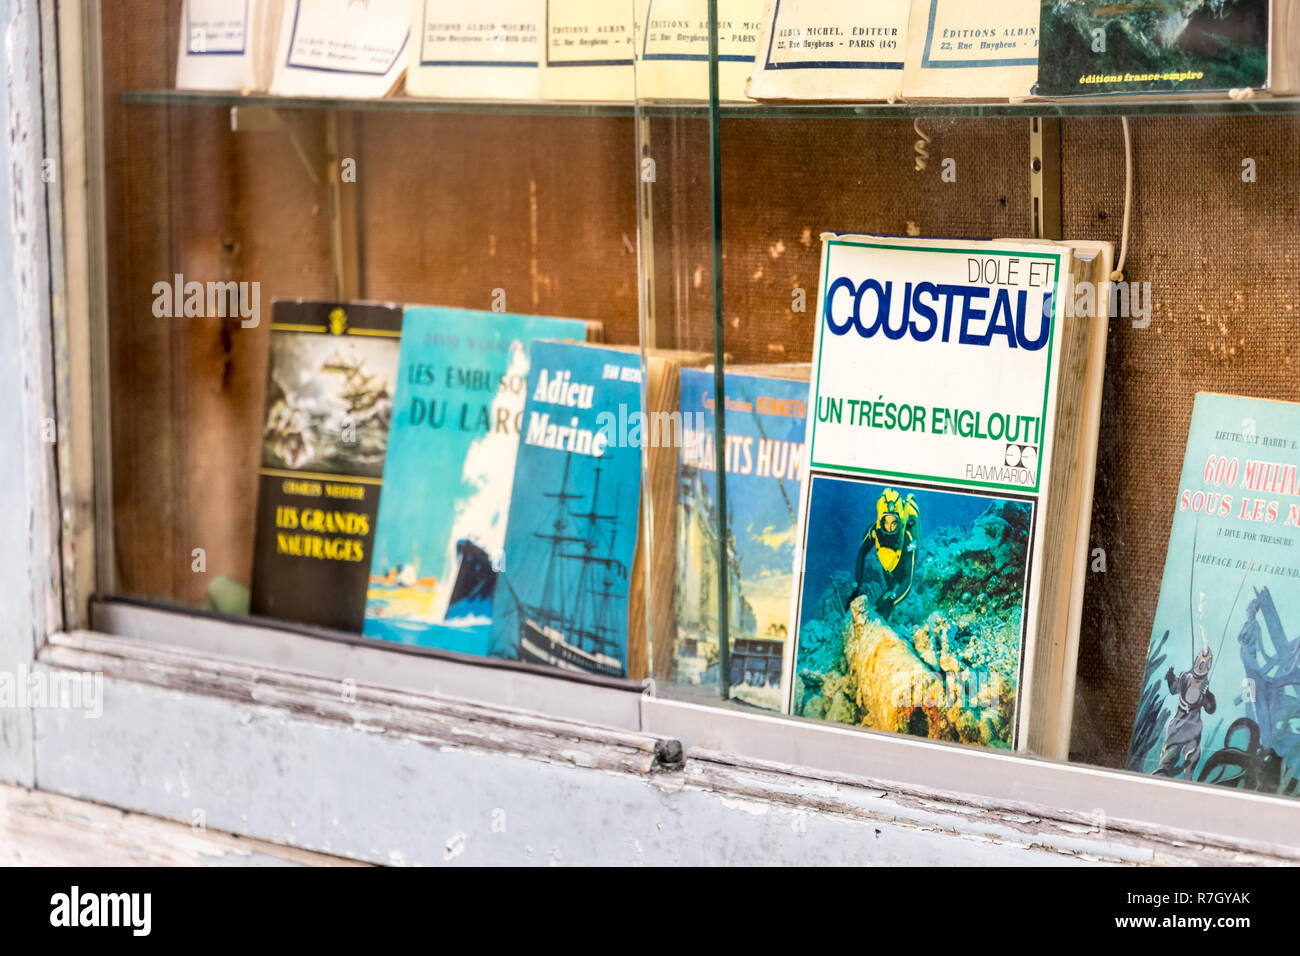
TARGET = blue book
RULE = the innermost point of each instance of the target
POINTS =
(569, 592)
(1220, 699)
(461, 383)
(765, 422)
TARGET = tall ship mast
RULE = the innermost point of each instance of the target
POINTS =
(573, 625)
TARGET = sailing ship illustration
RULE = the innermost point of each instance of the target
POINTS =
(361, 391)
(575, 623)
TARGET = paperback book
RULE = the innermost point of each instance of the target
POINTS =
(578, 550)
(1220, 700)
(461, 384)
(476, 49)
(227, 46)
(1171, 46)
(962, 50)
(589, 50)
(673, 48)
(927, 599)
(831, 50)
(329, 400)
(340, 48)
(765, 419)
(571, 537)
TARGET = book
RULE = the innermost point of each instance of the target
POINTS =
(572, 591)
(952, 434)
(461, 384)
(831, 50)
(589, 51)
(960, 50)
(329, 399)
(227, 46)
(673, 48)
(476, 49)
(764, 419)
(340, 48)
(1219, 697)
(1096, 47)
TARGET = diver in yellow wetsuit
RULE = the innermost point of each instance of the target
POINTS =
(893, 538)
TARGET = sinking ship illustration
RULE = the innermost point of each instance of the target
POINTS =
(574, 625)
(473, 584)
(361, 392)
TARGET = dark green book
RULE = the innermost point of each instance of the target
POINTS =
(1163, 46)
(329, 400)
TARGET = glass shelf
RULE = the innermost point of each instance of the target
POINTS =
(1081, 108)
(392, 104)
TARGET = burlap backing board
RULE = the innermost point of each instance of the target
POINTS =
(1221, 259)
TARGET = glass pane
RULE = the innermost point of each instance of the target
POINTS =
(909, 592)
(259, 403)
(454, 353)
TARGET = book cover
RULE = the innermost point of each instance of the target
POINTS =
(831, 50)
(341, 48)
(673, 48)
(476, 49)
(765, 421)
(461, 384)
(929, 442)
(1220, 700)
(590, 50)
(1095, 46)
(329, 400)
(962, 50)
(218, 45)
(571, 537)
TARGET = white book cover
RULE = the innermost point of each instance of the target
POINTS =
(342, 48)
(589, 51)
(920, 543)
(673, 48)
(221, 46)
(831, 50)
(476, 49)
(962, 50)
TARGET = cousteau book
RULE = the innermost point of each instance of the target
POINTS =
(951, 438)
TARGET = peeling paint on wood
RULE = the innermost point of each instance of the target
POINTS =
(282, 757)
(44, 829)
(29, 588)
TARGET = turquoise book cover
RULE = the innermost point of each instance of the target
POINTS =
(562, 597)
(1220, 700)
(765, 421)
(462, 379)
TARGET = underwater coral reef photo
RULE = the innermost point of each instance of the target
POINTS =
(912, 610)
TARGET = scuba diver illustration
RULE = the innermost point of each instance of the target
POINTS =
(893, 538)
(1182, 750)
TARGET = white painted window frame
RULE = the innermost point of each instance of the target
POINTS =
(201, 712)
